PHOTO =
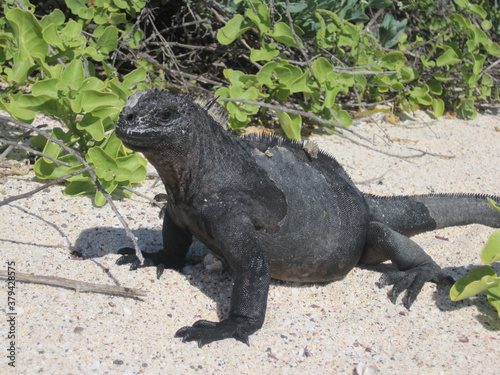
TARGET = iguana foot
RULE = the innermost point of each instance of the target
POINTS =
(205, 332)
(150, 260)
(413, 281)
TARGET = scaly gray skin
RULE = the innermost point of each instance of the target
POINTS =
(271, 209)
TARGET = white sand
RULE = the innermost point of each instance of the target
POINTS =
(312, 329)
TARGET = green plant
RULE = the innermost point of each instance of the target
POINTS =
(325, 60)
(483, 278)
(352, 63)
(318, 84)
(50, 66)
(461, 50)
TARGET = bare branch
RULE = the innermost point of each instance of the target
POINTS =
(79, 286)
(33, 151)
(43, 187)
(337, 131)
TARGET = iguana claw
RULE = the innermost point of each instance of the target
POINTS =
(150, 260)
(204, 332)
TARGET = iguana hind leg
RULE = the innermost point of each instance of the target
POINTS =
(414, 266)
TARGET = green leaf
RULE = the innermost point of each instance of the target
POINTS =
(93, 125)
(51, 36)
(122, 4)
(266, 53)
(435, 87)
(117, 88)
(29, 41)
(421, 95)
(290, 124)
(321, 68)
(493, 296)
(74, 74)
(473, 8)
(23, 63)
(390, 30)
(233, 29)
(379, 3)
(478, 63)
(76, 6)
(486, 25)
(92, 83)
(427, 62)
(106, 165)
(43, 104)
(440, 77)
(18, 110)
(135, 76)
(131, 162)
(462, 21)
(92, 100)
(75, 188)
(283, 34)
(467, 109)
(393, 60)
(302, 84)
(46, 169)
(266, 74)
(55, 18)
(438, 107)
(408, 74)
(71, 31)
(47, 87)
(493, 48)
(259, 15)
(127, 175)
(112, 145)
(342, 117)
(491, 250)
(108, 41)
(477, 281)
(495, 205)
(480, 36)
(28, 32)
(449, 57)
(109, 186)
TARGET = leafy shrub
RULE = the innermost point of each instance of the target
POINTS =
(483, 278)
(57, 57)
(352, 62)
(79, 60)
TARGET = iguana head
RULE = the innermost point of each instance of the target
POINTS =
(158, 119)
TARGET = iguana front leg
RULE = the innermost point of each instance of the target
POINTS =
(414, 266)
(176, 242)
(243, 251)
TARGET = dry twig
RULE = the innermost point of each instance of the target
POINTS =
(79, 286)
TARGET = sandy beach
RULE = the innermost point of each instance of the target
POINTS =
(309, 329)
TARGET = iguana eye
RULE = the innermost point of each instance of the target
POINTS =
(167, 115)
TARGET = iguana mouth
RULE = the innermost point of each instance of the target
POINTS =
(136, 139)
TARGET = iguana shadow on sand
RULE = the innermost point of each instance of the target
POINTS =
(270, 208)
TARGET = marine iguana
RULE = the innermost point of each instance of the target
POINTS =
(272, 210)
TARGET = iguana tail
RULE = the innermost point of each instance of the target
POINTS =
(415, 214)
